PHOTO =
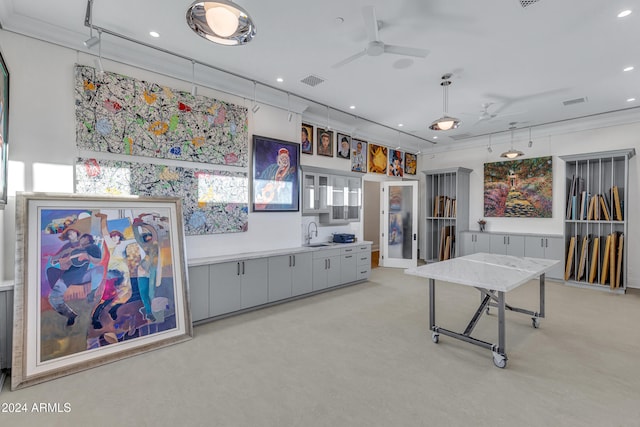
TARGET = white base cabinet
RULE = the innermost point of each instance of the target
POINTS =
(507, 244)
(225, 287)
(547, 248)
(472, 242)
(529, 245)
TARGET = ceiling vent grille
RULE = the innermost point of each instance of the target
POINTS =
(574, 101)
(526, 3)
(460, 136)
(312, 80)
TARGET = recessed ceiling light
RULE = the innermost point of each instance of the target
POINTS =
(435, 137)
(154, 34)
(629, 68)
(400, 125)
(624, 13)
(352, 107)
(279, 79)
(631, 99)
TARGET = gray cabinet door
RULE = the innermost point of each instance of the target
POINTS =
(320, 266)
(554, 249)
(348, 268)
(534, 246)
(199, 292)
(254, 286)
(224, 293)
(515, 245)
(334, 271)
(498, 244)
(280, 271)
(467, 244)
(482, 243)
(302, 278)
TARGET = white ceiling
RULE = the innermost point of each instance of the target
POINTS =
(524, 61)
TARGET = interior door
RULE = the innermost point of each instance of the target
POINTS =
(399, 235)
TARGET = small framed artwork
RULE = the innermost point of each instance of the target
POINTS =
(396, 163)
(306, 139)
(276, 181)
(324, 140)
(358, 155)
(410, 163)
(4, 129)
(98, 279)
(377, 159)
(343, 147)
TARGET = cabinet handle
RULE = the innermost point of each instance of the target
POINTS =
(329, 263)
(238, 272)
(508, 240)
(542, 242)
(504, 240)
(294, 260)
(289, 261)
(348, 256)
(243, 268)
(415, 236)
(546, 243)
(325, 264)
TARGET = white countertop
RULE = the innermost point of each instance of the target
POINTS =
(488, 271)
(6, 285)
(275, 252)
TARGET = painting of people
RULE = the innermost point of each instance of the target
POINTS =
(110, 276)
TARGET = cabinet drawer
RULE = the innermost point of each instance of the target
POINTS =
(364, 258)
(326, 253)
(364, 248)
(363, 272)
(349, 250)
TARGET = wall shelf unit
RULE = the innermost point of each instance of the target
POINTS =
(595, 224)
(447, 211)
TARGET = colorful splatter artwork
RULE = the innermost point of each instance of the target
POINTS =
(213, 201)
(119, 114)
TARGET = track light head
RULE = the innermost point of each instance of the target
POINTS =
(89, 43)
(255, 108)
(194, 90)
(290, 116)
(530, 143)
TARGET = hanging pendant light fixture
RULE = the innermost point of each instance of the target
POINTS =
(445, 122)
(221, 21)
(512, 153)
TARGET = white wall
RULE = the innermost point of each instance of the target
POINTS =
(42, 147)
(544, 144)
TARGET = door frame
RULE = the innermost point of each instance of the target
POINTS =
(385, 260)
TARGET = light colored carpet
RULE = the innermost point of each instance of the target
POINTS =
(362, 356)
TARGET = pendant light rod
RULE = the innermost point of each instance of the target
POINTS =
(88, 20)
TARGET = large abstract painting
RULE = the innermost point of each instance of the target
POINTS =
(119, 114)
(98, 279)
(519, 188)
(213, 201)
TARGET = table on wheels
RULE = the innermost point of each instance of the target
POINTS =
(493, 275)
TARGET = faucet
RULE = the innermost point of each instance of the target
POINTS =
(308, 236)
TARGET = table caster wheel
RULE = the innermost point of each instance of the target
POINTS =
(499, 360)
(535, 322)
(435, 337)
(487, 310)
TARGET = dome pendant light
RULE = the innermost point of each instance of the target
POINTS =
(445, 122)
(512, 153)
(221, 21)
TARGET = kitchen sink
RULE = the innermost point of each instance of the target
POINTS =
(317, 245)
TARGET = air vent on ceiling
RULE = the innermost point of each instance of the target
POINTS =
(312, 80)
(574, 101)
(460, 136)
(526, 3)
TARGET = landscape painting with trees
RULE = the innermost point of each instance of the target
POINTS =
(519, 188)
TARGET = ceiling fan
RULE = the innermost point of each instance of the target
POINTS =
(375, 46)
(486, 116)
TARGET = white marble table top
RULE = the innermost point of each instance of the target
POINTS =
(489, 271)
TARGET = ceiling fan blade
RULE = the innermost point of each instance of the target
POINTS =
(349, 59)
(370, 23)
(406, 51)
